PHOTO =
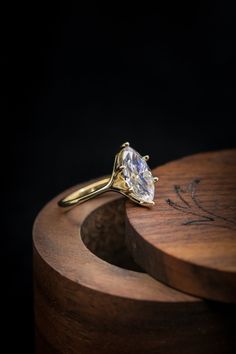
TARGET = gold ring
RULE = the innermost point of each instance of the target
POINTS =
(131, 177)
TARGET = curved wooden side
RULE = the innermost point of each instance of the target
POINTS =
(90, 297)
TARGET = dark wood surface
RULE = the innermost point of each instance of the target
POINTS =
(90, 296)
(188, 239)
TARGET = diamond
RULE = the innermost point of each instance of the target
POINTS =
(137, 175)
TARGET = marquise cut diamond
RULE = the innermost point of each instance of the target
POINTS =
(137, 175)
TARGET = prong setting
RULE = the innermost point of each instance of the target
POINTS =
(125, 144)
(155, 179)
(147, 204)
(146, 157)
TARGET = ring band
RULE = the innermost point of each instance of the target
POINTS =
(131, 177)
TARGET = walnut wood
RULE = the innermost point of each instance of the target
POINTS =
(89, 300)
(188, 240)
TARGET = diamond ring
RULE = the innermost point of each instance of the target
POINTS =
(131, 177)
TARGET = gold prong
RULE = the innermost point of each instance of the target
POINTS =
(120, 168)
(155, 179)
(131, 189)
(146, 157)
(141, 202)
(125, 144)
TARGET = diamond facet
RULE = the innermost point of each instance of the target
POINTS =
(137, 175)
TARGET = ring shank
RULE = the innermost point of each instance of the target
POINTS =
(85, 193)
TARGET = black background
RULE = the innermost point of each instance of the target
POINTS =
(81, 83)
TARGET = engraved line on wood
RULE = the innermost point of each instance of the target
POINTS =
(204, 215)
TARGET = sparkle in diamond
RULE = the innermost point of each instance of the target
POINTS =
(138, 175)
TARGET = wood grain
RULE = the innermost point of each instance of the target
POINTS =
(89, 299)
(188, 240)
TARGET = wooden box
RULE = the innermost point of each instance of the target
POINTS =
(91, 297)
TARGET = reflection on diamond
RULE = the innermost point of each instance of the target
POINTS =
(137, 175)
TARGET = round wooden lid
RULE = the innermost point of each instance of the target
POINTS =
(188, 239)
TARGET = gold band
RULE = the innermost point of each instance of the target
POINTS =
(86, 193)
(117, 182)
